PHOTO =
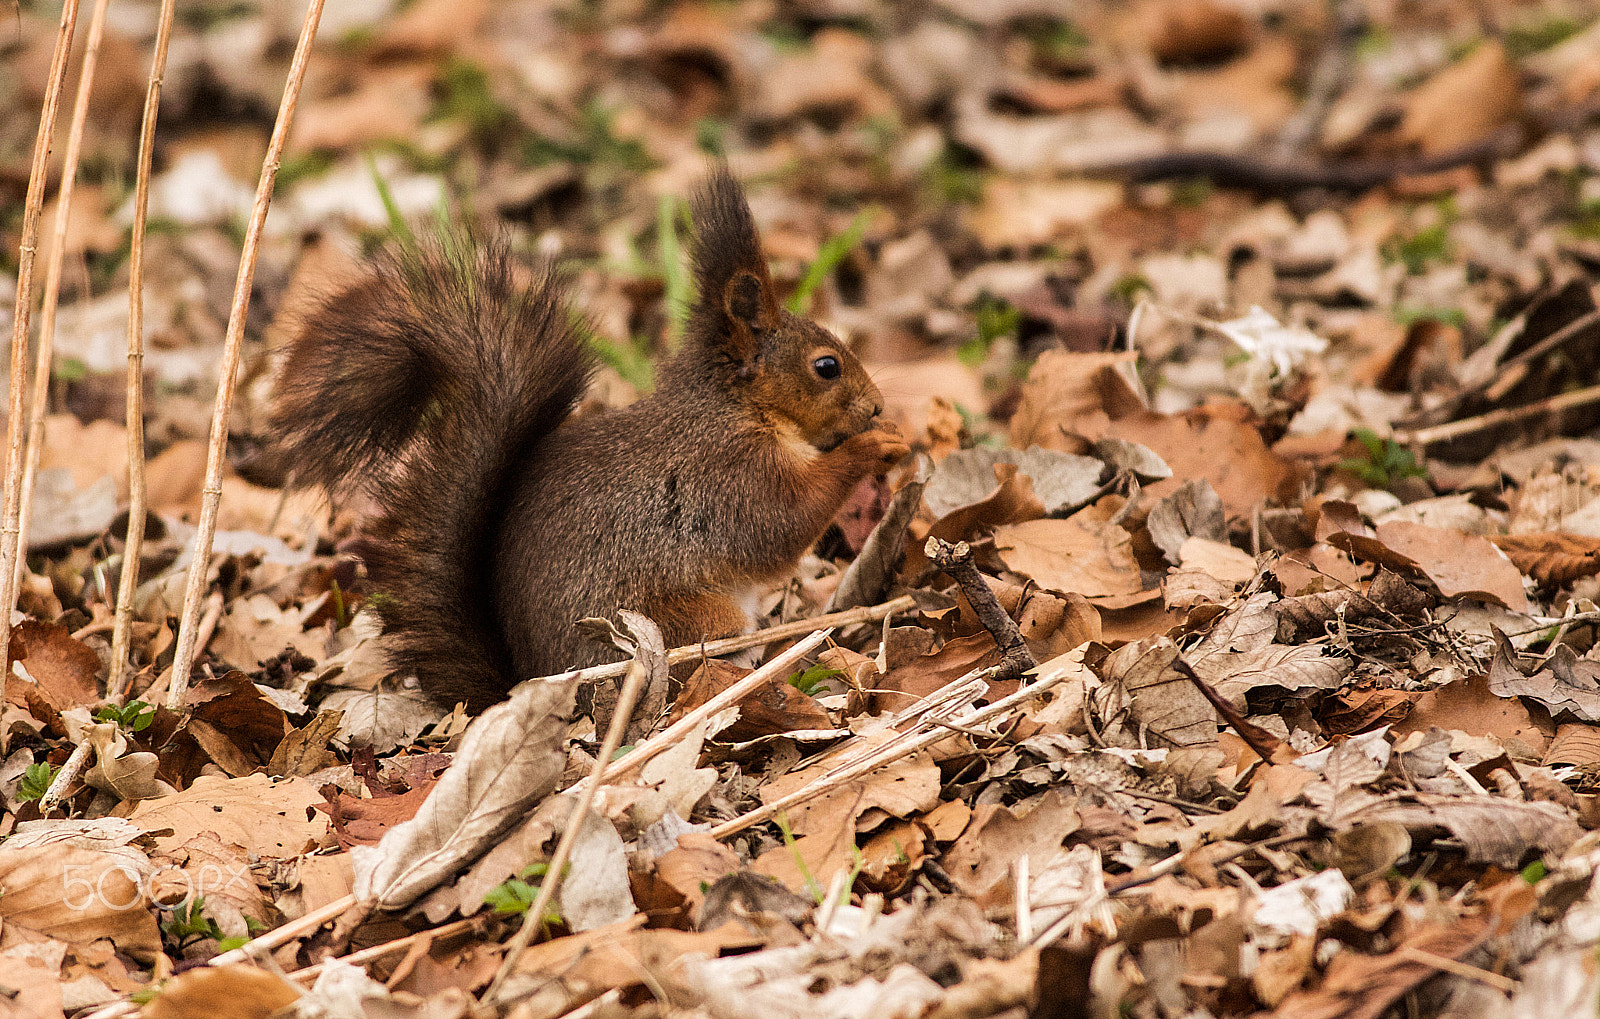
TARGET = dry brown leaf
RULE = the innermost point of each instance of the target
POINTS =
(272, 819)
(1084, 553)
(775, 708)
(1231, 455)
(1551, 558)
(1159, 701)
(1493, 829)
(1461, 565)
(1065, 389)
(64, 669)
(510, 759)
(1463, 103)
(998, 835)
(223, 992)
(80, 895)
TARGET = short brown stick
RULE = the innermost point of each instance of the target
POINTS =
(956, 560)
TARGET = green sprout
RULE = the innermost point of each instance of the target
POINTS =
(833, 252)
(1385, 463)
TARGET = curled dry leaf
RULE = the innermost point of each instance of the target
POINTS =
(509, 759)
(1461, 565)
(1552, 559)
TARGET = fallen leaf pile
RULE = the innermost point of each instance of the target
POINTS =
(1248, 349)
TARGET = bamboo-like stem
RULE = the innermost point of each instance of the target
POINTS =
(10, 533)
(52, 287)
(756, 638)
(889, 753)
(533, 919)
(211, 493)
(117, 681)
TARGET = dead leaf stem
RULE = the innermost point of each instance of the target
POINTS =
(771, 635)
(33, 206)
(117, 681)
(532, 920)
(956, 560)
(52, 283)
(211, 492)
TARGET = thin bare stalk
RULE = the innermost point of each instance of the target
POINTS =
(533, 919)
(211, 493)
(52, 286)
(117, 682)
(10, 533)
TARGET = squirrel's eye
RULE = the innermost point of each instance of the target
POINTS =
(826, 367)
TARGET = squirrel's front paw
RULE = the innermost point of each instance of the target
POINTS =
(878, 448)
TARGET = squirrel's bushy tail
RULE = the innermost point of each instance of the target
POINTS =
(425, 383)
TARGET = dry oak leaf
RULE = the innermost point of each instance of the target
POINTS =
(1363, 987)
(998, 835)
(1064, 387)
(80, 895)
(1551, 558)
(1230, 454)
(1493, 829)
(63, 669)
(1461, 565)
(1463, 103)
(1240, 654)
(272, 819)
(1156, 701)
(1085, 553)
(223, 992)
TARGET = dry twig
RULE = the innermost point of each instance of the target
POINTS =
(116, 683)
(532, 920)
(956, 560)
(38, 171)
(211, 493)
(52, 287)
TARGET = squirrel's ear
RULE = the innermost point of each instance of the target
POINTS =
(736, 295)
(745, 302)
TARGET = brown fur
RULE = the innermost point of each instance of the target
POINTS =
(442, 387)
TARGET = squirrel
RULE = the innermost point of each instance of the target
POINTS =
(443, 387)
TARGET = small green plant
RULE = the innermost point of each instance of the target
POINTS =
(811, 680)
(1428, 245)
(515, 897)
(955, 177)
(593, 142)
(996, 318)
(341, 609)
(628, 358)
(398, 227)
(1407, 315)
(834, 249)
(303, 166)
(465, 96)
(1192, 193)
(135, 716)
(35, 780)
(813, 889)
(1130, 288)
(1529, 38)
(711, 136)
(1385, 463)
(189, 925)
(680, 285)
